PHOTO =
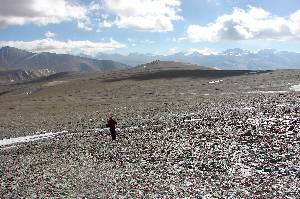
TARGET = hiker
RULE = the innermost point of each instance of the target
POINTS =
(111, 123)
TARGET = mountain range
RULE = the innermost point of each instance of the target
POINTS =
(14, 58)
(231, 59)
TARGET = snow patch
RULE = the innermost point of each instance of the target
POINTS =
(249, 108)
(54, 83)
(266, 92)
(216, 81)
(29, 138)
(246, 171)
(252, 72)
(228, 93)
(295, 87)
(193, 120)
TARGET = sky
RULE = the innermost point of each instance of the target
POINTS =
(149, 26)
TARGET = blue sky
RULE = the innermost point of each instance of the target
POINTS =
(149, 26)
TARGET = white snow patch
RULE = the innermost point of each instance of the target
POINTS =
(229, 93)
(193, 120)
(248, 108)
(295, 87)
(246, 171)
(216, 81)
(54, 83)
(282, 105)
(29, 138)
(266, 92)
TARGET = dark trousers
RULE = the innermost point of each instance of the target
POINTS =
(113, 133)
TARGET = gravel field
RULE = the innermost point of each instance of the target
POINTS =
(181, 137)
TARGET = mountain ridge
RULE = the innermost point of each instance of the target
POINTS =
(18, 75)
(13, 58)
(230, 59)
(158, 65)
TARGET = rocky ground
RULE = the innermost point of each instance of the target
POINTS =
(228, 137)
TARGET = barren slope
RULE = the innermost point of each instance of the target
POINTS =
(201, 136)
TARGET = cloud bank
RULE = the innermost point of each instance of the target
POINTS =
(142, 15)
(254, 23)
(21, 12)
(68, 47)
(50, 34)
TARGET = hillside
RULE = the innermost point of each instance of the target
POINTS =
(13, 58)
(158, 65)
(231, 132)
(12, 76)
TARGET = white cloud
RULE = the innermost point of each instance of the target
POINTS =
(173, 50)
(105, 24)
(69, 47)
(181, 39)
(143, 15)
(295, 20)
(131, 42)
(254, 23)
(42, 12)
(50, 34)
(140, 15)
(203, 51)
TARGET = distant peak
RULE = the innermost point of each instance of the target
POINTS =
(235, 52)
(9, 48)
(267, 51)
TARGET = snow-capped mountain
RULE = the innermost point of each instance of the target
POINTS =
(229, 59)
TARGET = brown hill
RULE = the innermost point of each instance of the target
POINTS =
(158, 65)
(15, 76)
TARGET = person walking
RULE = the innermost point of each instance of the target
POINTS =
(111, 123)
